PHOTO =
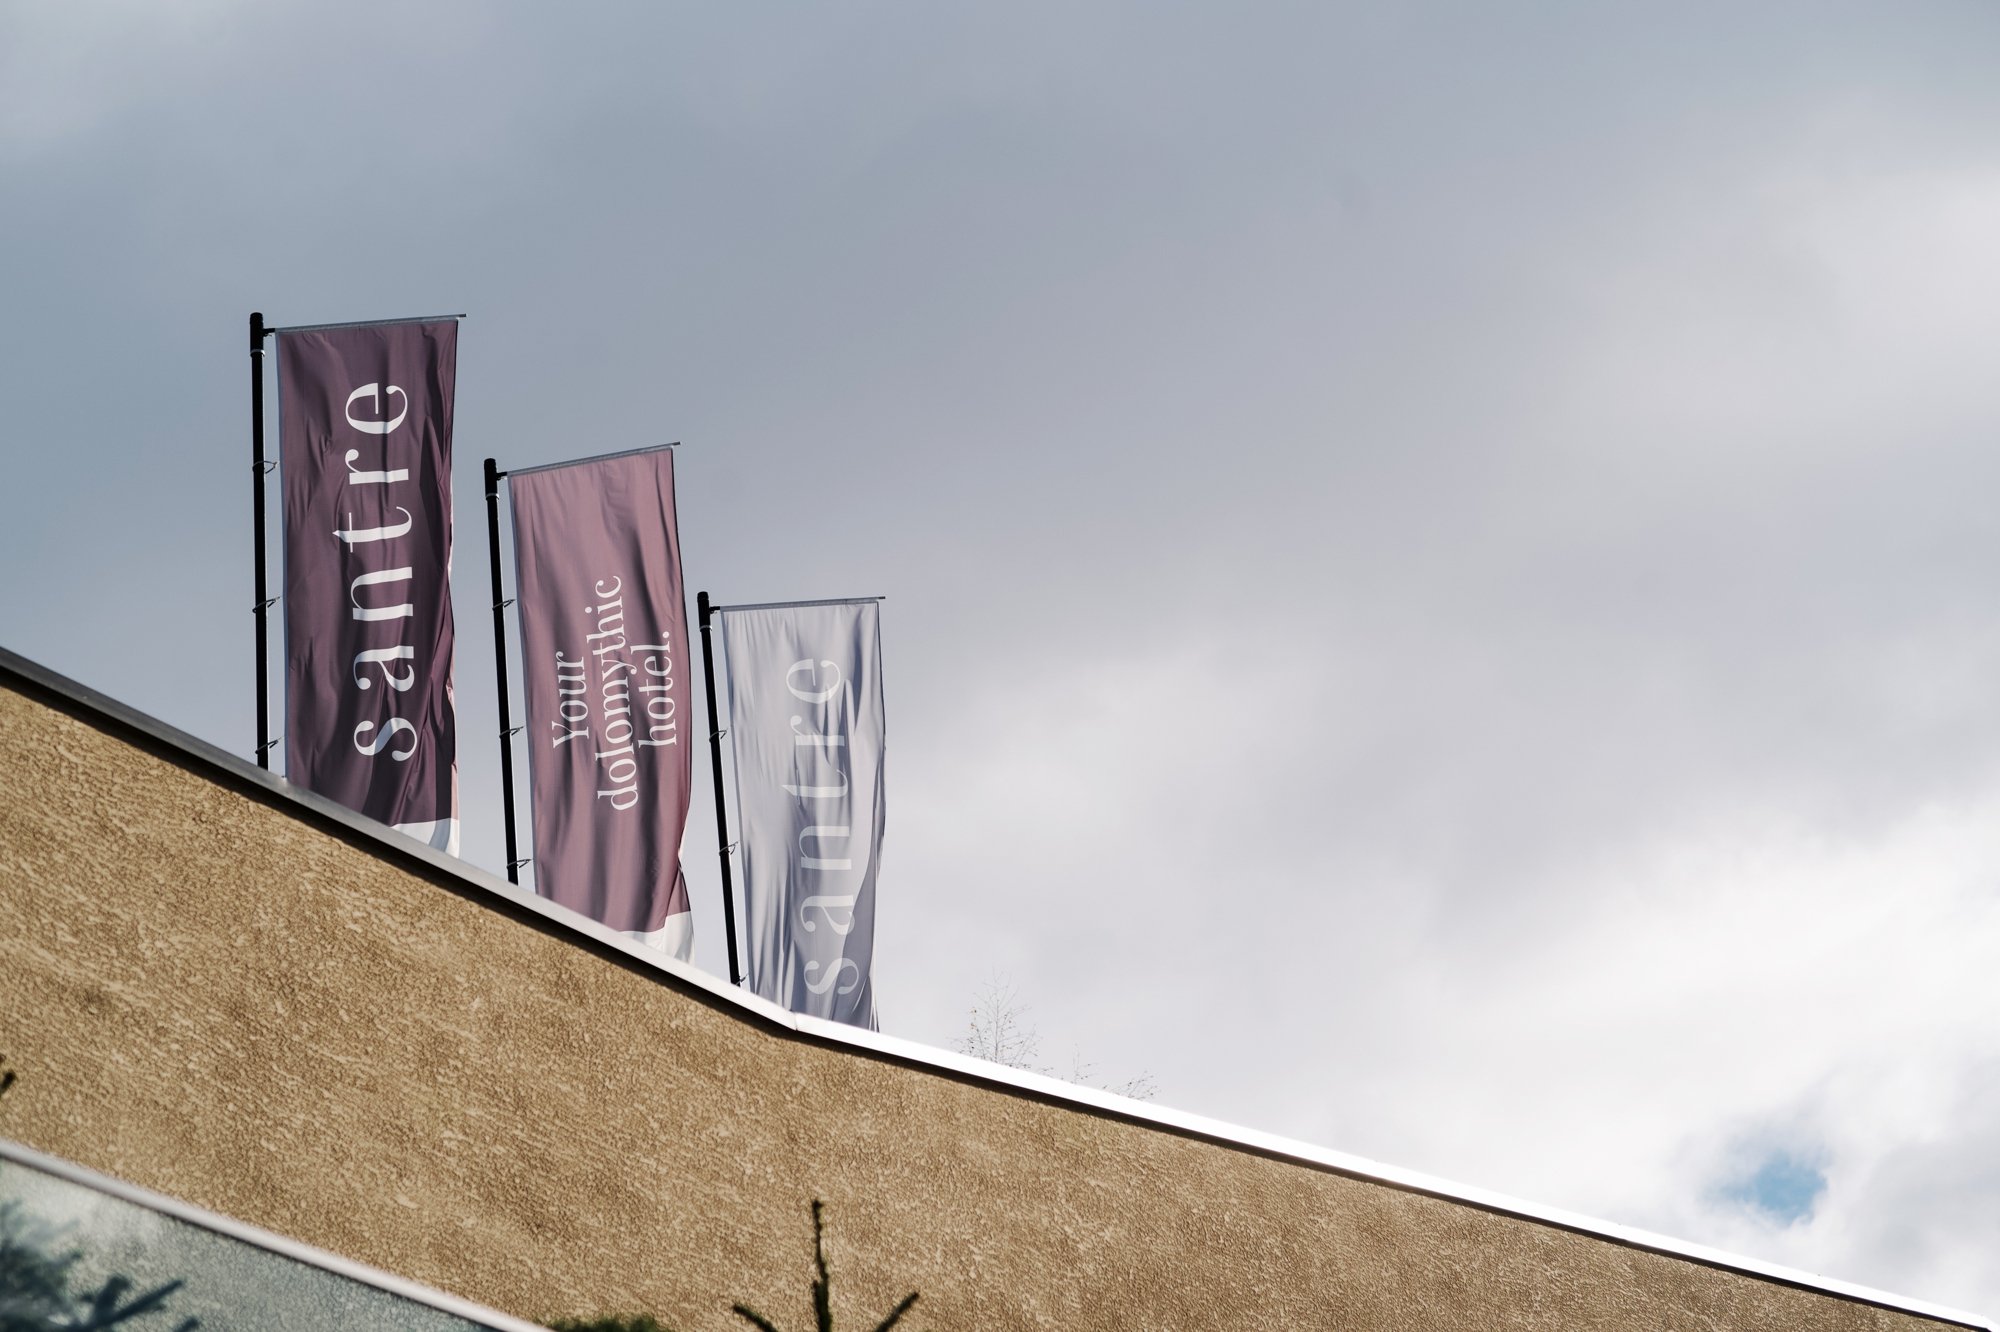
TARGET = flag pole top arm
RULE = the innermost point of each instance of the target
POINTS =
(789, 605)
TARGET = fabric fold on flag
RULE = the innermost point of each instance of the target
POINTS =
(364, 429)
(807, 733)
(604, 653)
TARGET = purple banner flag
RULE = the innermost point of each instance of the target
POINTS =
(364, 424)
(597, 570)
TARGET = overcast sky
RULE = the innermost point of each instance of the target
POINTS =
(1443, 587)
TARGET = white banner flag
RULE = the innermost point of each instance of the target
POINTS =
(806, 728)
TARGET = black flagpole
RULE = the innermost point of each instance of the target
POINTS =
(257, 471)
(721, 811)
(493, 475)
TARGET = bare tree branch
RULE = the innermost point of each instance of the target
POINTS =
(998, 1031)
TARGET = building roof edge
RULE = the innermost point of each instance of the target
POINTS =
(481, 885)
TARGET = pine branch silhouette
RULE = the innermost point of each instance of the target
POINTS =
(105, 1310)
(35, 1277)
(822, 1289)
(752, 1317)
(896, 1314)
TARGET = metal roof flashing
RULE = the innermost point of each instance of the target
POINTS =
(468, 880)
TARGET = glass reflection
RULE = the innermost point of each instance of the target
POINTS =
(74, 1257)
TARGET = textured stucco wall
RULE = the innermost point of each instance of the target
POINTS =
(217, 997)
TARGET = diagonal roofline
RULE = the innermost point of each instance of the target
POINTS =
(495, 893)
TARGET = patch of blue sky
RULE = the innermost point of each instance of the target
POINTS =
(1784, 1187)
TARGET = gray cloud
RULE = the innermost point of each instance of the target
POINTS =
(1438, 560)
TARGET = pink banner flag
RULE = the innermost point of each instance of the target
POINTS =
(364, 420)
(604, 649)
